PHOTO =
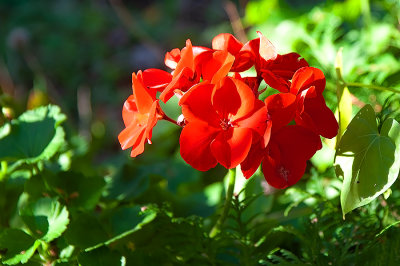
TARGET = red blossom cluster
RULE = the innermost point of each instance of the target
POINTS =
(224, 120)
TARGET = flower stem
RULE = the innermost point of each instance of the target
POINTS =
(356, 84)
(169, 119)
(231, 185)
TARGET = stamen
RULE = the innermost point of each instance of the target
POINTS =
(225, 124)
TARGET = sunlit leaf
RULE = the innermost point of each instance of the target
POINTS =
(369, 160)
(46, 218)
(36, 135)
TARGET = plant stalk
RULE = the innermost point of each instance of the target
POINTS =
(231, 185)
(356, 84)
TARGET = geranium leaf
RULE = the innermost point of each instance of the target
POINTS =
(78, 190)
(46, 218)
(101, 256)
(34, 136)
(369, 160)
(18, 246)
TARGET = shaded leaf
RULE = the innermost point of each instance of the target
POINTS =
(18, 246)
(135, 221)
(85, 231)
(46, 218)
(76, 189)
(101, 256)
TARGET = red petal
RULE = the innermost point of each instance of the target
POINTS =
(275, 81)
(257, 119)
(220, 66)
(128, 110)
(281, 108)
(226, 98)
(195, 145)
(253, 160)
(156, 78)
(231, 146)
(266, 50)
(183, 81)
(196, 104)
(172, 58)
(232, 97)
(288, 151)
(152, 120)
(131, 135)
(226, 41)
(316, 115)
(186, 60)
(306, 77)
(142, 96)
(243, 61)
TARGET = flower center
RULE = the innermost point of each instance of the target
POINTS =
(225, 123)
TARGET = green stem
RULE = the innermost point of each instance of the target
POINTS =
(356, 84)
(231, 185)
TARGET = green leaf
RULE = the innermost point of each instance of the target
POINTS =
(76, 189)
(101, 256)
(46, 218)
(369, 160)
(18, 246)
(137, 219)
(36, 135)
(85, 231)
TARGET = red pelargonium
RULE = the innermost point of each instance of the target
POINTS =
(287, 154)
(222, 122)
(308, 84)
(184, 75)
(140, 113)
(227, 42)
(281, 110)
(275, 69)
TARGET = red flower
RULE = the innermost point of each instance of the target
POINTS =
(155, 78)
(287, 154)
(275, 69)
(308, 84)
(277, 73)
(281, 110)
(140, 113)
(227, 42)
(185, 73)
(214, 65)
(222, 122)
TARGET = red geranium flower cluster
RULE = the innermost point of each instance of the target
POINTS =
(224, 121)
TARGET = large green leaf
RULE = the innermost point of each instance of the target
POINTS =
(46, 218)
(36, 135)
(368, 160)
(85, 230)
(17, 245)
(76, 189)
